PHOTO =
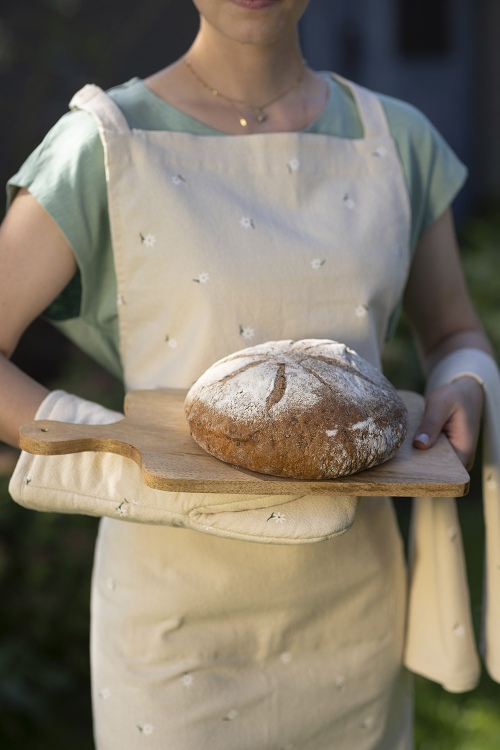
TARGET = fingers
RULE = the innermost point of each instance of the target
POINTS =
(438, 410)
(454, 409)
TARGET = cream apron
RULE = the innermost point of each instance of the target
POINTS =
(221, 242)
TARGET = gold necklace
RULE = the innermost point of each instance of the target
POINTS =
(259, 111)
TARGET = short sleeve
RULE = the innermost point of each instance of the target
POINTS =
(66, 175)
(433, 173)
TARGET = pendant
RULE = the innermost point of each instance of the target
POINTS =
(260, 116)
(243, 122)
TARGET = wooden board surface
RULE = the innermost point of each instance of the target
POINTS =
(155, 434)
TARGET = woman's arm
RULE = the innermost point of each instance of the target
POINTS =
(443, 320)
(36, 263)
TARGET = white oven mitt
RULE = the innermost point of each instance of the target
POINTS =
(106, 484)
(440, 640)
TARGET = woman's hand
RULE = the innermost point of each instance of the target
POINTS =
(456, 410)
(443, 320)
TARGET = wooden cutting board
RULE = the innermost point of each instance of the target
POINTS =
(155, 434)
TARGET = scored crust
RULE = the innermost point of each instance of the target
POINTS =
(309, 409)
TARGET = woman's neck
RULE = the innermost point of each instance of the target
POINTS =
(250, 72)
(242, 86)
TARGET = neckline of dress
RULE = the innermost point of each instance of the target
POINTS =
(208, 130)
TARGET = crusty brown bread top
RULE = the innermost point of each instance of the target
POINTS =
(310, 409)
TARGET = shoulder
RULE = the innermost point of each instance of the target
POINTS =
(128, 95)
(68, 156)
(71, 151)
(434, 174)
(409, 126)
(421, 146)
(402, 113)
(71, 154)
(407, 123)
(142, 109)
(73, 135)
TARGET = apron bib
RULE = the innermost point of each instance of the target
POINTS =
(233, 241)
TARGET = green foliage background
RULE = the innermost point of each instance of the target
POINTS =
(48, 49)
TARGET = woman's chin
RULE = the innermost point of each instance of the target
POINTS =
(255, 4)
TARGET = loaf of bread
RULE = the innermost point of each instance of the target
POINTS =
(310, 409)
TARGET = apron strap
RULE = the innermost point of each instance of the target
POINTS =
(94, 100)
(369, 107)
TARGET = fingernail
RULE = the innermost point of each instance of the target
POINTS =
(422, 438)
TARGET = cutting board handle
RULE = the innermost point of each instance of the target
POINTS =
(50, 438)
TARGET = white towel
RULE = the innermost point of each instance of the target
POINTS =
(440, 641)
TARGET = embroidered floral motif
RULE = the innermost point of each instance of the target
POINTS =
(104, 693)
(458, 630)
(452, 533)
(122, 509)
(187, 679)
(178, 179)
(28, 480)
(491, 482)
(110, 583)
(361, 311)
(367, 723)
(293, 165)
(202, 278)
(380, 151)
(247, 332)
(348, 202)
(148, 240)
(286, 657)
(340, 682)
(278, 517)
(170, 341)
(231, 715)
(120, 300)
(247, 223)
(317, 263)
(145, 728)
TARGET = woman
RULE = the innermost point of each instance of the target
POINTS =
(324, 208)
